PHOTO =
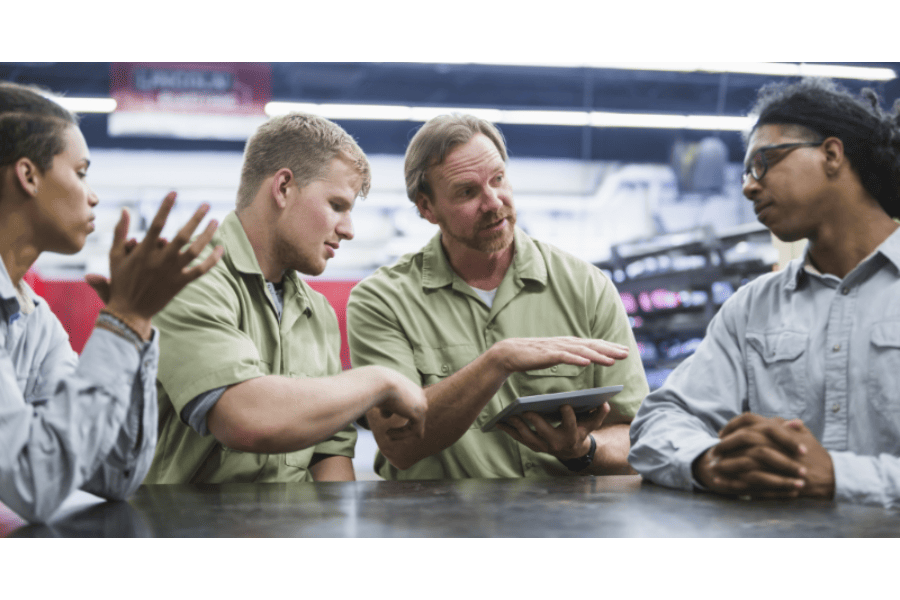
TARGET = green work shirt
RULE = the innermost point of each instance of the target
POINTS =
(222, 329)
(419, 318)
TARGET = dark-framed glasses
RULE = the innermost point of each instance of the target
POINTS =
(759, 164)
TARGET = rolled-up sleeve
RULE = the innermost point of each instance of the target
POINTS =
(867, 479)
(69, 423)
(678, 422)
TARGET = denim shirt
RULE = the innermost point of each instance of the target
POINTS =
(69, 423)
(792, 344)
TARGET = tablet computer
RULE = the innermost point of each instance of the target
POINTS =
(548, 405)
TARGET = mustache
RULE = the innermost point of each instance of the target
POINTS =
(492, 218)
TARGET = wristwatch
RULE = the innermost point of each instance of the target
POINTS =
(583, 462)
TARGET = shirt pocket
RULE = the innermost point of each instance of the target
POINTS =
(778, 373)
(435, 364)
(558, 378)
(883, 375)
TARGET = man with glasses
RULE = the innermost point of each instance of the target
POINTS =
(795, 391)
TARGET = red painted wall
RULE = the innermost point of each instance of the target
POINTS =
(76, 305)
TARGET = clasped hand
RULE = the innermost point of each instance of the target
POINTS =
(766, 457)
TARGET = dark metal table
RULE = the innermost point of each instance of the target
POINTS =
(565, 507)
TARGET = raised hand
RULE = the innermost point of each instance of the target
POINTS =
(145, 275)
(526, 354)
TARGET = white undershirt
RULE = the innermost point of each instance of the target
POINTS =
(486, 295)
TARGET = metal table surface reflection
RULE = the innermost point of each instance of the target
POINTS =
(622, 506)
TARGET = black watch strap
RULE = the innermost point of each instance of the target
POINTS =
(583, 462)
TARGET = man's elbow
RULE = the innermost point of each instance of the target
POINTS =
(246, 433)
(400, 457)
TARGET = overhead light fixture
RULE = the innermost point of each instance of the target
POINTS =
(518, 117)
(85, 105)
(776, 69)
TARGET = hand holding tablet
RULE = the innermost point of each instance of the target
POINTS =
(548, 405)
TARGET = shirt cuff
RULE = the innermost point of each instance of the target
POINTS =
(857, 478)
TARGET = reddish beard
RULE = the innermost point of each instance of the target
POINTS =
(499, 240)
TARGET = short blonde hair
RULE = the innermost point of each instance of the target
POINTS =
(303, 143)
(436, 138)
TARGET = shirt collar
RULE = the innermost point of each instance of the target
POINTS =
(21, 299)
(240, 253)
(527, 263)
(797, 269)
(890, 248)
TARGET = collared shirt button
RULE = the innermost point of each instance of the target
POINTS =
(554, 369)
(836, 347)
(836, 407)
(845, 291)
(528, 465)
(445, 368)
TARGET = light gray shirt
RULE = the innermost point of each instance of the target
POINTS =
(66, 422)
(793, 344)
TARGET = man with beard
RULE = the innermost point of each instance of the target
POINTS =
(484, 314)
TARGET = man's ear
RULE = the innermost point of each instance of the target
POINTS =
(281, 183)
(423, 203)
(27, 175)
(834, 155)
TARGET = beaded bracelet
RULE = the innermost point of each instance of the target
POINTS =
(123, 321)
(110, 322)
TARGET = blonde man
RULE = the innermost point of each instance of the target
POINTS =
(250, 378)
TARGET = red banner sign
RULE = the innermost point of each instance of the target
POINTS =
(204, 88)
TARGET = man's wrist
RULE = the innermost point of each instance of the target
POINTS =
(582, 462)
(697, 469)
(139, 325)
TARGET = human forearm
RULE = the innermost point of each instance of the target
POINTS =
(661, 422)
(275, 414)
(125, 467)
(453, 405)
(51, 449)
(333, 468)
(611, 457)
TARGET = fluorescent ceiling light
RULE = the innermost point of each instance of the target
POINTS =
(777, 69)
(236, 128)
(519, 117)
(85, 105)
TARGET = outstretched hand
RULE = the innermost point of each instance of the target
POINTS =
(526, 354)
(145, 275)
